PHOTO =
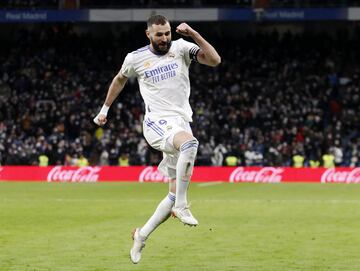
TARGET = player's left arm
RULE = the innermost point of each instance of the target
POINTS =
(207, 54)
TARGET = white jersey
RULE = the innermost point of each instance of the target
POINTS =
(163, 79)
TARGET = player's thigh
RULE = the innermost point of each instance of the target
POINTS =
(180, 135)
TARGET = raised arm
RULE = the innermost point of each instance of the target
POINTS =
(207, 54)
(115, 88)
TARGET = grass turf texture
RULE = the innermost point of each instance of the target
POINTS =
(63, 226)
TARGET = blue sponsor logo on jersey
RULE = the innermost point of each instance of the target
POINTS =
(162, 72)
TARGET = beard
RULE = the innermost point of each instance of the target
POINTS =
(161, 51)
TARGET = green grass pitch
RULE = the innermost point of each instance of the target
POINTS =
(72, 226)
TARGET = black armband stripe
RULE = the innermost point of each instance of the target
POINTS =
(193, 53)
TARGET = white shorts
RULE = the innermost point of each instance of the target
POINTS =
(159, 132)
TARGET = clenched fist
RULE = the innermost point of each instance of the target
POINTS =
(185, 30)
(100, 119)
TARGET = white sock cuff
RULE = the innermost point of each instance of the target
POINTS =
(171, 196)
(193, 143)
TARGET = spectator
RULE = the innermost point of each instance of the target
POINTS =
(300, 94)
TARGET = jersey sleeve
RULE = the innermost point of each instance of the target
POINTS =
(127, 68)
(190, 50)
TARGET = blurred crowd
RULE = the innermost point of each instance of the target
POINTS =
(272, 98)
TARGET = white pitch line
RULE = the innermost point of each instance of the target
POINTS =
(209, 184)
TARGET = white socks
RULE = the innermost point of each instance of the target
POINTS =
(161, 214)
(184, 168)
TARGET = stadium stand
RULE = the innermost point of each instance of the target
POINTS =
(88, 4)
(274, 96)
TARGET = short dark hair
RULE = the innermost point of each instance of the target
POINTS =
(157, 19)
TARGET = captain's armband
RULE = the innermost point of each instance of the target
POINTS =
(193, 52)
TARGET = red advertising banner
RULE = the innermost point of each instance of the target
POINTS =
(201, 174)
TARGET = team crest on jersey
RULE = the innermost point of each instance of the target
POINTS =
(147, 64)
(171, 55)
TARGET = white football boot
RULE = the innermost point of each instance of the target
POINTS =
(139, 244)
(184, 215)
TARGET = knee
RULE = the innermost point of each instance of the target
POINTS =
(190, 147)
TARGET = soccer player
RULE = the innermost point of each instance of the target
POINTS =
(162, 70)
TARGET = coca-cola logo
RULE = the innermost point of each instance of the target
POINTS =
(81, 174)
(151, 174)
(333, 176)
(263, 175)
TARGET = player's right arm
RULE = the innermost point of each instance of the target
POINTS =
(207, 54)
(116, 86)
